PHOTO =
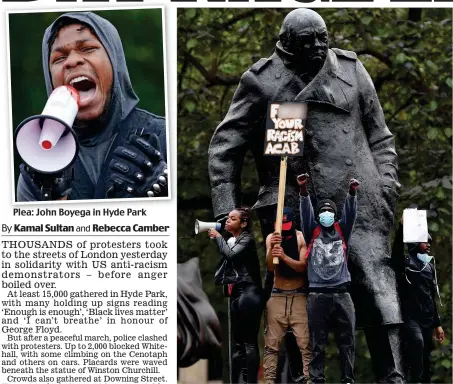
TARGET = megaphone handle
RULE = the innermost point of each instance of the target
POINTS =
(55, 186)
(46, 193)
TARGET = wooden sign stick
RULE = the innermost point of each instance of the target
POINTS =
(281, 198)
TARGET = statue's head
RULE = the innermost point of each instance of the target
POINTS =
(304, 34)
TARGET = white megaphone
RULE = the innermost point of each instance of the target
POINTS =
(201, 226)
(47, 142)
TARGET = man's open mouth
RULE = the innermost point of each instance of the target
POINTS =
(85, 87)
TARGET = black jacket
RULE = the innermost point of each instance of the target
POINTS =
(238, 264)
(417, 289)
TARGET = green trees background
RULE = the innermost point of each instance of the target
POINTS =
(408, 53)
(141, 34)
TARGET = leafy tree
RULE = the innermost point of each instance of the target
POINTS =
(408, 55)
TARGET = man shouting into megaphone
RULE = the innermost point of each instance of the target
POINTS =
(121, 149)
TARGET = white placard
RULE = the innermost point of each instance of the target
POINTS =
(415, 226)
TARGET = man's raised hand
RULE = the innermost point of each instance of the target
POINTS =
(353, 186)
(302, 180)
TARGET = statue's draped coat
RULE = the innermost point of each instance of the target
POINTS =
(346, 137)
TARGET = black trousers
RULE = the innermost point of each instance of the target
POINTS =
(418, 345)
(246, 308)
(331, 311)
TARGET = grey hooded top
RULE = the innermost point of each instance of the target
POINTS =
(122, 115)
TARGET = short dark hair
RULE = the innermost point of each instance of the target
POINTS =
(60, 24)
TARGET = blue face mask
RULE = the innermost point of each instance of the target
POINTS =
(424, 258)
(326, 219)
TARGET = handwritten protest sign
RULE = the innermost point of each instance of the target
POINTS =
(285, 129)
(284, 138)
(415, 229)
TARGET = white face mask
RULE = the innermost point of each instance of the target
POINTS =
(326, 219)
(424, 258)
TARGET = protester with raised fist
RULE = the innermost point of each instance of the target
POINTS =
(345, 134)
(329, 304)
(122, 149)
